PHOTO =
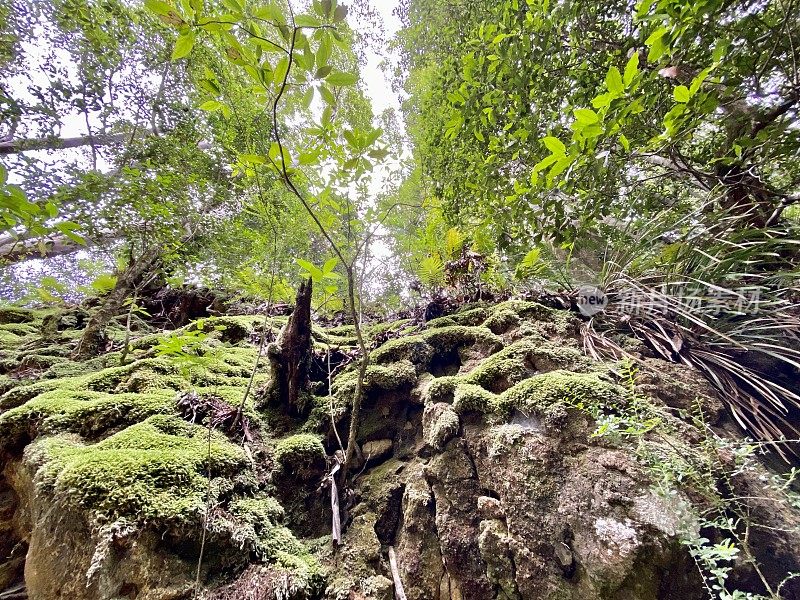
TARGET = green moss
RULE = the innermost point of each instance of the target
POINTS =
(441, 322)
(558, 387)
(302, 449)
(471, 316)
(377, 378)
(84, 412)
(261, 509)
(420, 349)
(442, 389)
(447, 339)
(9, 340)
(15, 314)
(502, 320)
(21, 329)
(150, 472)
(523, 359)
(413, 348)
(473, 398)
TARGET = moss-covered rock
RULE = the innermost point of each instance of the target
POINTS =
(299, 453)
(16, 314)
(152, 471)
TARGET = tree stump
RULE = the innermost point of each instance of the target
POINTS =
(290, 358)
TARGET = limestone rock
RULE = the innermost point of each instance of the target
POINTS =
(440, 424)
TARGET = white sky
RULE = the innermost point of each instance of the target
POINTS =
(377, 85)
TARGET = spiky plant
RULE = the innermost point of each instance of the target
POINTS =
(719, 298)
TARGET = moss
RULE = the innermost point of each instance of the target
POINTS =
(395, 376)
(523, 359)
(441, 322)
(261, 509)
(299, 450)
(502, 320)
(15, 314)
(442, 389)
(20, 329)
(421, 349)
(9, 340)
(85, 412)
(473, 398)
(259, 525)
(447, 339)
(150, 472)
(558, 387)
(471, 316)
(413, 348)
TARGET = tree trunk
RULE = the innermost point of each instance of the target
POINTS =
(290, 358)
(93, 340)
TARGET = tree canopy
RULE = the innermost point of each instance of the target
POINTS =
(650, 150)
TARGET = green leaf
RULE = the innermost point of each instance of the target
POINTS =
(308, 97)
(158, 7)
(340, 78)
(324, 50)
(602, 100)
(586, 116)
(315, 273)
(625, 143)
(323, 72)
(699, 80)
(631, 69)
(307, 21)
(554, 145)
(252, 159)
(184, 45)
(68, 228)
(104, 283)
(655, 36)
(614, 81)
(327, 95)
(559, 168)
(330, 265)
(681, 94)
(211, 105)
(281, 70)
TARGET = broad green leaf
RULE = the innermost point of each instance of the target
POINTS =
(308, 97)
(159, 7)
(281, 71)
(340, 78)
(602, 100)
(255, 159)
(586, 116)
(699, 80)
(307, 21)
(211, 105)
(625, 143)
(558, 168)
(681, 94)
(554, 145)
(323, 51)
(184, 45)
(614, 81)
(315, 272)
(631, 69)
(327, 95)
(330, 265)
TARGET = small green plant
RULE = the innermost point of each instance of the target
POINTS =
(711, 479)
(188, 349)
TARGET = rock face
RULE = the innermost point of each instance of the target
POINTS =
(498, 463)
